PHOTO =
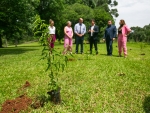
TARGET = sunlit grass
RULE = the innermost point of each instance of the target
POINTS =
(90, 83)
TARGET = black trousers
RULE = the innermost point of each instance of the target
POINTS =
(79, 40)
(93, 42)
(109, 43)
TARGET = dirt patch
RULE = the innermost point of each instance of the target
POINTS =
(26, 85)
(23, 102)
(20, 103)
(15, 106)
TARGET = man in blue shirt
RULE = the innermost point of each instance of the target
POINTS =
(79, 30)
(109, 37)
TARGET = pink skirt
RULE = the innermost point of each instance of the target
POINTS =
(67, 42)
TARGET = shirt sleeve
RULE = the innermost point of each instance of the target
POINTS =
(127, 28)
(75, 29)
(84, 29)
(104, 37)
(97, 29)
(115, 32)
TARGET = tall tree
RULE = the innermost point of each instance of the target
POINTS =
(14, 16)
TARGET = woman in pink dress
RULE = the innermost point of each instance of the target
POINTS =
(68, 38)
(123, 32)
(52, 36)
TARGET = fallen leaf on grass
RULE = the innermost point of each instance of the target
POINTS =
(121, 74)
(143, 54)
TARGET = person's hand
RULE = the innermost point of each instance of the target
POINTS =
(89, 30)
(92, 30)
(126, 35)
(103, 39)
(80, 35)
(113, 39)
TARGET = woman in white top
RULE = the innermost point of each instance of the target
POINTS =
(52, 37)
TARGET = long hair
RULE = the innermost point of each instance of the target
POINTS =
(50, 21)
(122, 23)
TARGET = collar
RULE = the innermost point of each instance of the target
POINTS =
(109, 26)
(92, 25)
(80, 24)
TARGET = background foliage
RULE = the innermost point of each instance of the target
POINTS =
(17, 17)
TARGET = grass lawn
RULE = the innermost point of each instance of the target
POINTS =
(89, 84)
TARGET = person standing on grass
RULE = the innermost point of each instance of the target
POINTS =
(93, 36)
(68, 38)
(109, 37)
(79, 30)
(52, 36)
(123, 32)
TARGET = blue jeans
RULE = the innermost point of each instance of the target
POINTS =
(79, 40)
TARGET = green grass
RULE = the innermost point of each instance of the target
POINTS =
(89, 84)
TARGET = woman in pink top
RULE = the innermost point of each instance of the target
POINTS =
(68, 38)
(123, 32)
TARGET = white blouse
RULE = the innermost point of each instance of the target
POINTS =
(52, 30)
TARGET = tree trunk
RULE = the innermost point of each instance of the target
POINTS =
(1, 42)
(6, 43)
(16, 42)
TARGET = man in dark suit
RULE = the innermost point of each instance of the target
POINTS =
(109, 37)
(93, 36)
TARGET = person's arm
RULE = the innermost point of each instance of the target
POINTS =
(89, 30)
(96, 30)
(104, 37)
(128, 30)
(114, 32)
(66, 33)
(84, 30)
(75, 30)
(71, 33)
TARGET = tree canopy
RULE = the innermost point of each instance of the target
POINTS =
(17, 16)
(139, 34)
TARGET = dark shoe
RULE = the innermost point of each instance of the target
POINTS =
(109, 55)
(96, 52)
(119, 55)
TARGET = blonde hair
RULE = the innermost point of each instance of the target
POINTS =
(68, 22)
(50, 21)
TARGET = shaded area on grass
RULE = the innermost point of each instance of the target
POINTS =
(13, 50)
(146, 104)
